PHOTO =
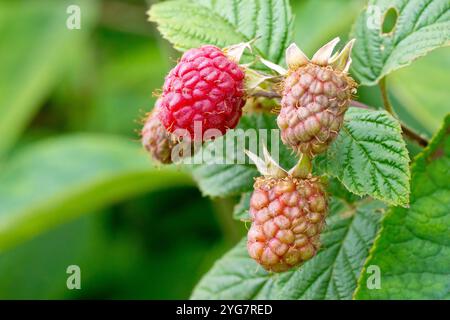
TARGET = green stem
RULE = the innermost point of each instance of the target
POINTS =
(384, 94)
(265, 94)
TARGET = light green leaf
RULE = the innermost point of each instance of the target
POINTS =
(370, 157)
(189, 24)
(413, 248)
(36, 47)
(313, 30)
(421, 26)
(222, 179)
(59, 179)
(422, 90)
(332, 274)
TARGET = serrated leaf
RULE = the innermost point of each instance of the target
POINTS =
(332, 274)
(421, 26)
(221, 180)
(413, 248)
(56, 180)
(370, 157)
(189, 24)
(235, 276)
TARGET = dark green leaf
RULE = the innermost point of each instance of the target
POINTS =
(413, 248)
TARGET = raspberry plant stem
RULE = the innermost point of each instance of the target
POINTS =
(384, 94)
(266, 94)
(408, 132)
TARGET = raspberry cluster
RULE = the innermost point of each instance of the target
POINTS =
(206, 91)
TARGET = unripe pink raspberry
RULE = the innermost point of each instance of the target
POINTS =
(288, 212)
(206, 87)
(315, 96)
(288, 215)
(160, 143)
(156, 140)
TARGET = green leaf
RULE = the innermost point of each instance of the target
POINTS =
(235, 276)
(189, 24)
(59, 179)
(413, 248)
(221, 179)
(370, 157)
(332, 274)
(34, 58)
(421, 26)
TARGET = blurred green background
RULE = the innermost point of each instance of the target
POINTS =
(75, 185)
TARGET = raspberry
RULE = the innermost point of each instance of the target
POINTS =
(206, 87)
(315, 96)
(156, 140)
(288, 215)
(288, 212)
(160, 143)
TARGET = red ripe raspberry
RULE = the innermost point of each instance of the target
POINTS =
(205, 87)
(288, 215)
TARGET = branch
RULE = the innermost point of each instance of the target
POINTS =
(410, 133)
(265, 94)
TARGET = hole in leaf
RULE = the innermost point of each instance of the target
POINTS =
(389, 21)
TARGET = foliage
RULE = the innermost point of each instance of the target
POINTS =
(369, 157)
(413, 247)
(76, 188)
